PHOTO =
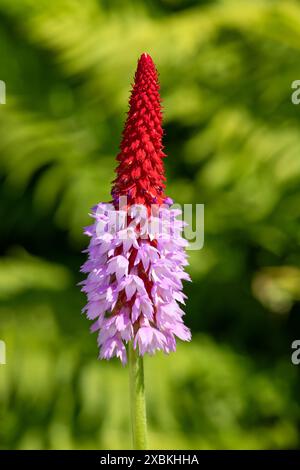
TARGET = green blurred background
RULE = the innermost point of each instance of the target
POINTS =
(233, 143)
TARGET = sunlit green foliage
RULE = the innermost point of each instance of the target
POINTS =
(233, 143)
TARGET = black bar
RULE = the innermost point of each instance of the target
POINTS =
(134, 459)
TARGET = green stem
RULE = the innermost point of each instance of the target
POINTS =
(137, 399)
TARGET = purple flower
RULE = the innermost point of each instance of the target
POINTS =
(134, 281)
(136, 255)
(168, 201)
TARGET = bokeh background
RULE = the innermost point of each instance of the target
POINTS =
(233, 143)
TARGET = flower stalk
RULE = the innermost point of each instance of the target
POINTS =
(136, 255)
(137, 399)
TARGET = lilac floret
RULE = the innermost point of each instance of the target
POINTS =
(134, 280)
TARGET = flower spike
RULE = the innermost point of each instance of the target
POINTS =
(136, 255)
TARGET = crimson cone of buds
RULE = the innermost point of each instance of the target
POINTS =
(136, 255)
(140, 174)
